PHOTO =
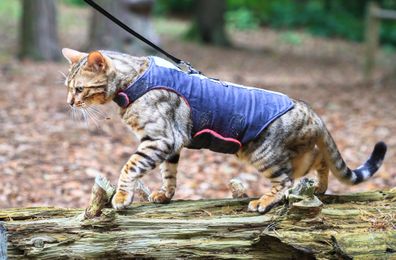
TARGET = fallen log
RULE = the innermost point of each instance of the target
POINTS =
(358, 226)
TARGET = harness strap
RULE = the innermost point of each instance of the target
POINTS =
(185, 66)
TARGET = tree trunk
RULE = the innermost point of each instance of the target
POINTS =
(209, 25)
(104, 34)
(38, 32)
(357, 226)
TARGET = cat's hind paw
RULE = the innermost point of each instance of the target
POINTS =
(121, 200)
(262, 205)
(320, 189)
(159, 197)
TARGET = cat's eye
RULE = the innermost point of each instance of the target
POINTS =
(79, 89)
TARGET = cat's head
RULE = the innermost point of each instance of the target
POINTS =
(87, 80)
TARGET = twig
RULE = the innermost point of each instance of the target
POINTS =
(237, 189)
(103, 191)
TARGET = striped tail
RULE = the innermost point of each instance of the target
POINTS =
(338, 166)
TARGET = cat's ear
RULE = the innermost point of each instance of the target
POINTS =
(72, 56)
(96, 62)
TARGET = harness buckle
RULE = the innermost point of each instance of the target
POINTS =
(187, 67)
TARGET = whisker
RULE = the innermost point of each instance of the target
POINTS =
(60, 82)
(92, 117)
(78, 114)
(72, 112)
(62, 74)
(85, 117)
(75, 115)
(62, 79)
(98, 112)
(89, 113)
(85, 114)
(98, 116)
(95, 116)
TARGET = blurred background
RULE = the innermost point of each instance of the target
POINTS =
(336, 55)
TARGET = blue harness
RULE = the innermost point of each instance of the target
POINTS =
(225, 116)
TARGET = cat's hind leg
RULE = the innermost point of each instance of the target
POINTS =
(312, 159)
(281, 181)
(322, 171)
(168, 172)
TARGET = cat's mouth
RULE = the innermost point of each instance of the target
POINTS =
(77, 104)
(83, 103)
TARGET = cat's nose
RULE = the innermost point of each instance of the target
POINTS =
(71, 101)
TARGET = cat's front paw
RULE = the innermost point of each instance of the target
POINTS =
(121, 199)
(159, 197)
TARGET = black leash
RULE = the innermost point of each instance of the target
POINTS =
(180, 63)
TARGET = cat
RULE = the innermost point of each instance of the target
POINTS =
(163, 107)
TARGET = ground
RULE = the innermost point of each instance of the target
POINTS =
(49, 158)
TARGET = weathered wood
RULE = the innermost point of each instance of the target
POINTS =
(3, 242)
(359, 226)
(385, 14)
(372, 34)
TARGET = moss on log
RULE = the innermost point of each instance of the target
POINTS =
(358, 226)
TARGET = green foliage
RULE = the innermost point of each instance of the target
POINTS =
(10, 10)
(173, 6)
(291, 38)
(388, 32)
(242, 19)
(326, 18)
(317, 18)
(74, 2)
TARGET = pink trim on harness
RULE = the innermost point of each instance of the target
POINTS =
(125, 99)
(227, 139)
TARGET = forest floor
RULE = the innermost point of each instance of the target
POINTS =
(47, 158)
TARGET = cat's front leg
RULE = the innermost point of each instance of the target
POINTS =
(168, 172)
(146, 158)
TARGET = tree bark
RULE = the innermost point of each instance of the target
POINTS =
(359, 226)
(38, 32)
(209, 25)
(104, 34)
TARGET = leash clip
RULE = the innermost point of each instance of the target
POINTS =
(187, 67)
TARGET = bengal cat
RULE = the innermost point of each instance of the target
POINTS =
(164, 118)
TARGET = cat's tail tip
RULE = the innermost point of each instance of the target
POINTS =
(372, 164)
(379, 152)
